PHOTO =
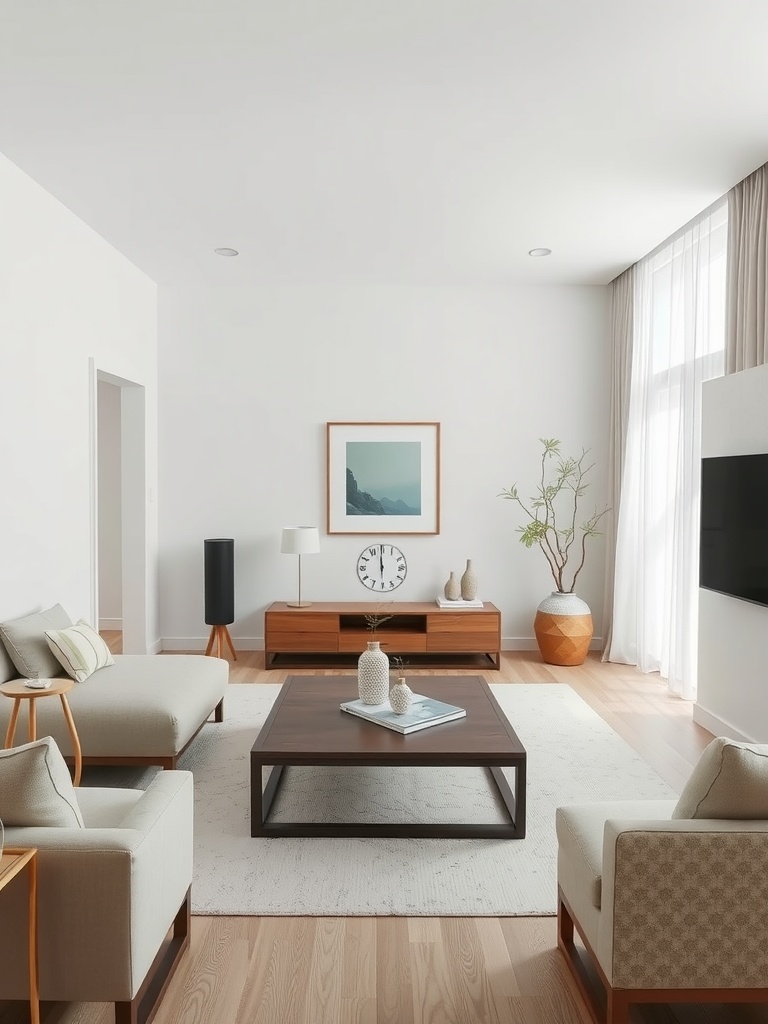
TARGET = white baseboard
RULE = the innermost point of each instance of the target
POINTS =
(199, 643)
(718, 726)
(528, 643)
(256, 643)
(111, 623)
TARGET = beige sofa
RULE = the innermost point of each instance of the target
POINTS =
(142, 709)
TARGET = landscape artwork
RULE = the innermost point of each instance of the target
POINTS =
(383, 477)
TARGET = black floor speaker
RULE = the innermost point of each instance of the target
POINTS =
(219, 581)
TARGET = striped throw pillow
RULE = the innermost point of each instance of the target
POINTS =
(79, 649)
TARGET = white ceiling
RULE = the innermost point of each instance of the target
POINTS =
(384, 141)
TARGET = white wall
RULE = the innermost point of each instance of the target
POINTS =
(731, 697)
(66, 296)
(248, 379)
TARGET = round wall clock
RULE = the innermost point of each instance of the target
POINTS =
(381, 567)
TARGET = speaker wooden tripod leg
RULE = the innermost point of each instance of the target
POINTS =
(211, 638)
(228, 638)
(220, 635)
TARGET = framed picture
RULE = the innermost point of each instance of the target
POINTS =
(383, 477)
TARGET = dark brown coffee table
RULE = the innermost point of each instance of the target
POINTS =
(306, 727)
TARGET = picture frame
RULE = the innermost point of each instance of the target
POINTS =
(395, 477)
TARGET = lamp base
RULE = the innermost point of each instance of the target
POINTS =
(298, 604)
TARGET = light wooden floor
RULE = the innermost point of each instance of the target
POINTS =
(242, 970)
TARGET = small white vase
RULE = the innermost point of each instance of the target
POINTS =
(452, 589)
(469, 583)
(400, 696)
(373, 674)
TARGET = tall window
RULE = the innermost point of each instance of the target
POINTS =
(678, 342)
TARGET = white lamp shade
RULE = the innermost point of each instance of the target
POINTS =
(300, 540)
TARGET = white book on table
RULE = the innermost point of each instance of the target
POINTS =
(423, 713)
(443, 602)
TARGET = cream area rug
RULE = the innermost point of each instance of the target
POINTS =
(573, 756)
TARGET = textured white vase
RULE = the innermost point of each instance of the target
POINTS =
(452, 589)
(469, 583)
(373, 674)
(400, 696)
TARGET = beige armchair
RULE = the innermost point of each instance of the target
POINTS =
(670, 899)
(113, 899)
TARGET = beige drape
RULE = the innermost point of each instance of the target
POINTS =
(746, 340)
(622, 305)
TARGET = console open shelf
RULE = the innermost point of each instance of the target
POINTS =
(420, 632)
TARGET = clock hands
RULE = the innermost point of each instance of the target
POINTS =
(391, 573)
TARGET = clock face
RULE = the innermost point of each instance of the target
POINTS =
(381, 567)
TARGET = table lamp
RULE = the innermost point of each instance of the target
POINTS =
(300, 540)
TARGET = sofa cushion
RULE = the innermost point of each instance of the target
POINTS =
(580, 830)
(35, 787)
(143, 705)
(730, 780)
(25, 641)
(79, 649)
(107, 807)
(7, 669)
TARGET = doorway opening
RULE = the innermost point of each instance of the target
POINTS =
(119, 553)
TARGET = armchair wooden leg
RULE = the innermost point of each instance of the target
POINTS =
(143, 1007)
(613, 1007)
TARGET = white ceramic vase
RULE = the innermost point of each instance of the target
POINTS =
(373, 674)
(400, 696)
(469, 583)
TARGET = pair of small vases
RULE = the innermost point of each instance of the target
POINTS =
(373, 681)
(464, 589)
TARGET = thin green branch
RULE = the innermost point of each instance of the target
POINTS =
(543, 509)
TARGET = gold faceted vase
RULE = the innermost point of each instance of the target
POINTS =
(563, 628)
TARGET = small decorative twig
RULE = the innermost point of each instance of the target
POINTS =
(375, 620)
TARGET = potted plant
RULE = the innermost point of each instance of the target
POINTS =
(563, 623)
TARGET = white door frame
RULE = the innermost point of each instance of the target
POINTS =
(133, 507)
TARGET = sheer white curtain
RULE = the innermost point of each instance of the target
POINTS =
(678, 342)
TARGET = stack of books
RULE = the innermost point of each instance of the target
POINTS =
(443, 602)
(423, 713)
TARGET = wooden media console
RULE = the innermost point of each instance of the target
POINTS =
(424, 635)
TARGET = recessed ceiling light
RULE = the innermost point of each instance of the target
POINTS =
(539, 252)
(226, 252)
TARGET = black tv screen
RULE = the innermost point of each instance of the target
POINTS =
(734, 526)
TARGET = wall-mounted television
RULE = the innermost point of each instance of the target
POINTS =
(734, 526)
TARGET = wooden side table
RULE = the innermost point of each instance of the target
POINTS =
(12, 862)
(58, 688)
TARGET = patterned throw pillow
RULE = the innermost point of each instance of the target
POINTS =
(79, 649)
(730, 780)
(35, 787)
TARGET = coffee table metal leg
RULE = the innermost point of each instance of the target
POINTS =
(261, 802)
(514, 802)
